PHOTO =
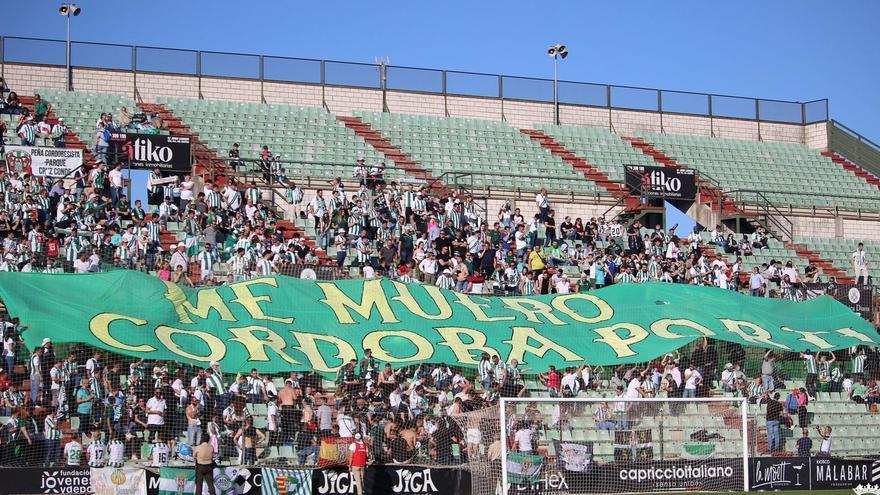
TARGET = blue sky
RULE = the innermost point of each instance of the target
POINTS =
(791, 50)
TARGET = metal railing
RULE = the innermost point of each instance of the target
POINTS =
(265, 68)
(854, 146)
(777, 223)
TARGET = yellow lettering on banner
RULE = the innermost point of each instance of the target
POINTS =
(217, 348)
(661, 329)
(621, 345)
(757, 336)
(811, 338)
(373, 341)
(519, 304)
(251, 303)
(464, 351)
(100, 328)
(206, 300)
(373, 296)
(256, 346)
(519, 343)
(849, 332)
(444, 310)
(477, 309)
(606, 312)
(308, 345)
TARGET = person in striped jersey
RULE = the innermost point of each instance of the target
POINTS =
(527, 285)
(625, 277)
(858, 363)
(238, 264)
(294, 199)
(193, 229)
(28, 132)
(52, 436)
(811, 364)
(363, 250)
(825, 367)
(264, 265)
(445, 281)
(757, 391)
(213, 198)
(207, 258)
(59, 133)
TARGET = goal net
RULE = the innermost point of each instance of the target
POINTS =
(615, 444)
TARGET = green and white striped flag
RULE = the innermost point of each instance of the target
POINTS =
(697, 451)
(287, 481)
(175, 481)
(227, 481)
(524, 469)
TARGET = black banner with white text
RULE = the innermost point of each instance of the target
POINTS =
(172, 154)
(661, 182)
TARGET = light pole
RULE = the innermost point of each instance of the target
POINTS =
(66, 10)
(556, 51)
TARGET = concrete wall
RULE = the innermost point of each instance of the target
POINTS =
(26, 78)
(816, 136)
(865, 228)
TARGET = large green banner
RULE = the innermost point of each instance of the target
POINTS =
(280, 323)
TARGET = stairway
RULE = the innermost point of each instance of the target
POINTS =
(816, 258)
(71, 140)
(618, 191)
(393, 153)
(852, 167)
(717, 200)
(207, 161)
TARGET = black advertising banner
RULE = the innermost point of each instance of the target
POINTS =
(172, 154)
(71, 480)
(811, 473)
(661, 182)
(829, 473)
(859, 298)
(393, 479)
(648, 476)
(779, 473)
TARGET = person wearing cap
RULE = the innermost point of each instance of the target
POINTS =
(178, 257)
(357, 462)
(44, 131)
(360, 171)
(28, 133)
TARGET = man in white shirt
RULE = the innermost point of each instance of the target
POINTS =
(82, 264)
(860, 264)
(346, 424)
(756, 283)
(634, 388)
(569, 383)
(115, 177)
(179, 257)
(523, 439)
(428, 267)
(792, 272)
(186, 192)
(156, 414)
(693, 379)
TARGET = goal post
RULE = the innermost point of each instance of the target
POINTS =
(615, 444)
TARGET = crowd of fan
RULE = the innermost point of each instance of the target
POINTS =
(396, 230)
(406, 414)
(401, 231)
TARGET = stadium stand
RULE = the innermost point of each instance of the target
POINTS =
(312, 146)
(321, 146)
(489, 150)
(777, 169)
